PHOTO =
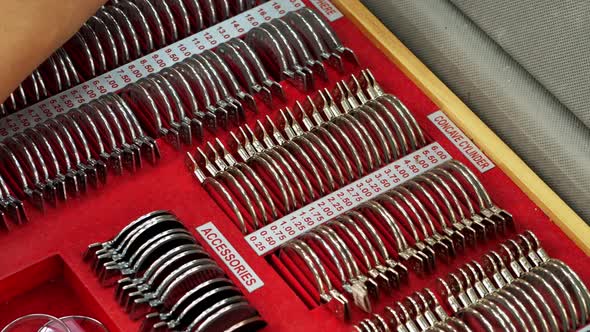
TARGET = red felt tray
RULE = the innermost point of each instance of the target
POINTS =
(41, 267)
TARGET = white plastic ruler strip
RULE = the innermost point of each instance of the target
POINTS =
(230, 256)
(346, 198)
(142, 67)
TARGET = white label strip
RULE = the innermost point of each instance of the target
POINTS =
(328, 9)
(230, 256)
(346, 198)
(461, 141)
(151, 63)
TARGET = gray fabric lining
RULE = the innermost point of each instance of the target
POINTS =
(553, 141)
(550, 39)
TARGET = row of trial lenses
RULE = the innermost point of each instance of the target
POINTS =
(55, 74)
(295, 47)
(415, 313)
(211, 90)
(519, 288)
(162, 274)
(65, 155)
(207, 91)
(403, 222)
(118, 33)
(325, 145)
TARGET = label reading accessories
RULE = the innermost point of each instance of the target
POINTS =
(230, 256)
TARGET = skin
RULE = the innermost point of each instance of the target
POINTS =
(31, 30)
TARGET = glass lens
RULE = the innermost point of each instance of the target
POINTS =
(83, 324)
(36, 323)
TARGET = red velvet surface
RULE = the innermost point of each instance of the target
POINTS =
(100, 214)
(55, 296)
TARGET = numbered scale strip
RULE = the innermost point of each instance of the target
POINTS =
(142, 67)
(346, 198)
